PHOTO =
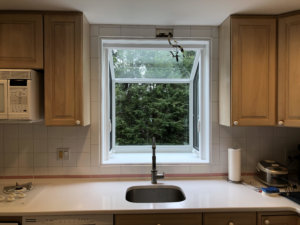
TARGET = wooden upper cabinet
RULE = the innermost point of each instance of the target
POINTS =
(247, 71)
(162, 219)
(66, 69)
(21, 41)
(289, 70)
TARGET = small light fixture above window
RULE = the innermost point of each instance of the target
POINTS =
(168, 33)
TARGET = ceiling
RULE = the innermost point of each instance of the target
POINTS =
(157, 12)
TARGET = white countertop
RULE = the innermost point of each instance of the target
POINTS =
(88, 196)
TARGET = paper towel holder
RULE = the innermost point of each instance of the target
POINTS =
(234, 165)
(234, 182)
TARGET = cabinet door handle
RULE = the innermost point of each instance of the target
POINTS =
(267, 222)
(231, 223)
(235, 123)
(280, 122)
(77, 122)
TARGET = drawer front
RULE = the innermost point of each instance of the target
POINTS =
(159, 219)
(230, 218)
(279, 220)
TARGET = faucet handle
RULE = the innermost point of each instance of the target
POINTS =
(160, 176)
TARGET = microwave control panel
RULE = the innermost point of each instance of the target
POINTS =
(18, 102)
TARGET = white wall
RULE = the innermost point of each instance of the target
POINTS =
(31, 149)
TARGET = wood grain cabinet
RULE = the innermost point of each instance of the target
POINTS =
(278, 219)
(248, 218)
(21, 41)
(159, 219)
(289, 70)
(247, 71)
(66, 70)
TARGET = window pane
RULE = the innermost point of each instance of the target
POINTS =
(147, 110)
(196, 110)
(149, 63)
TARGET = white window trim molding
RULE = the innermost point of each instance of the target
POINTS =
(203, 155)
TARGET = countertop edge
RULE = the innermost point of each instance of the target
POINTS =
(147, 211)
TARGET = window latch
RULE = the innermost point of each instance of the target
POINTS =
(110, 125)
(198, 126)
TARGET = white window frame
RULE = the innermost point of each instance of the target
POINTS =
(202, 48)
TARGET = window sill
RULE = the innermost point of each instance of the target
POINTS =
(161, 158)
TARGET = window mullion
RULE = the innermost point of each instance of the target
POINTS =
(191, 114)
(113, 132)
(112, 68)
(157, 81)
(195, 65)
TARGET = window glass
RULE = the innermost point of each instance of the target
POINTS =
(152, 63)
(151, 110)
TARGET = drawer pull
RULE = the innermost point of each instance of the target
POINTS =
(231, 223)
(267, 222)
(235, 123)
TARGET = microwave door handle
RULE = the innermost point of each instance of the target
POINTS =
(3, 113)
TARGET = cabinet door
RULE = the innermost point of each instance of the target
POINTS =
(162, 219)
(21, 44)
(278, 220)
(289, 71)
(63, 69)
(229, 219)
(253, 71)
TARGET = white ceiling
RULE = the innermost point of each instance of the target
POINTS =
(157, 12)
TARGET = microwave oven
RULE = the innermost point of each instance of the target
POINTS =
(21, 95)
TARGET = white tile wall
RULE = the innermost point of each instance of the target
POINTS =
(31, 149)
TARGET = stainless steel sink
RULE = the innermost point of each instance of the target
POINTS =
(154, 193)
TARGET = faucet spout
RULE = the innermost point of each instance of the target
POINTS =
(154, 175)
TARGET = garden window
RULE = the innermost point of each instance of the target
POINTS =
(147, 93)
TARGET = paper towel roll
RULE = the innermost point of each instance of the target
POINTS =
(234, 164)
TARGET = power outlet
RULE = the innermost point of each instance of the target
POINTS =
(63, 154)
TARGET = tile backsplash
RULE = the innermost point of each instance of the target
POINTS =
(31, 149)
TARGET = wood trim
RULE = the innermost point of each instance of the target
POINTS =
(225, 73)
(86, 79)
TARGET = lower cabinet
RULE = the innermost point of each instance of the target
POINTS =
(278, 219)
(229, 218)
(159, 219)
(213, 218)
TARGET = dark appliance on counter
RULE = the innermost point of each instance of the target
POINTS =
(272, 173)
(294, 196)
